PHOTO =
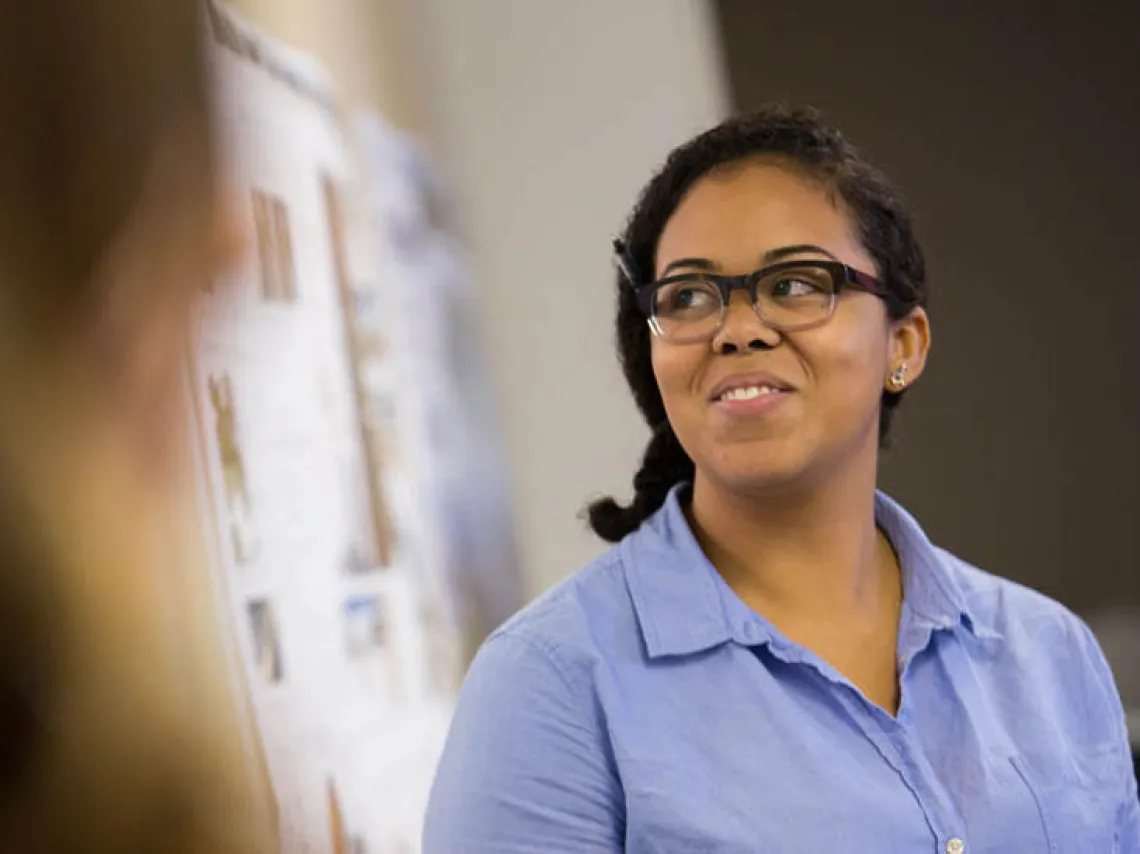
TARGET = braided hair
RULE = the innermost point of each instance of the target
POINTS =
(799, 139)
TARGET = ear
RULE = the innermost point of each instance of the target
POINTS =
(908, 351)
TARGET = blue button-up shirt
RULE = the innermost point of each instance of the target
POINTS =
(643, 707)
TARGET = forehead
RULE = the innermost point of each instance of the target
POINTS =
(733, 216)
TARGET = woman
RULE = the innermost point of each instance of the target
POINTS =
(113, 735)
(774, 657)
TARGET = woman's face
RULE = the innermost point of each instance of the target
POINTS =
(831, 377)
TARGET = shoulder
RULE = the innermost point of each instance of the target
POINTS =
(587, 617)
(1007, 608)
(1044, 647)
(526, 764)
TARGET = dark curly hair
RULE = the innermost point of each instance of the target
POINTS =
(800, 139)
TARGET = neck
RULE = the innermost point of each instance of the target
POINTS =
(806, 553)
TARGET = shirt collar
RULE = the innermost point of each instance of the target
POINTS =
(675, 589)
(931, 591)
(683, 605)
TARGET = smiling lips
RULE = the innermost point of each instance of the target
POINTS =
(745, 387)
(749, 394)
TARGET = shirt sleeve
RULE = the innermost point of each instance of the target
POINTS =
(1128, 801)
(527, 767)
(1128, 828)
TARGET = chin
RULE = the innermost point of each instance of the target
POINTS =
(756, 467)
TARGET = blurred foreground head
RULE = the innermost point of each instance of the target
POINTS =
(109, 226)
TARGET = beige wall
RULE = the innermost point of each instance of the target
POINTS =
(550, 116)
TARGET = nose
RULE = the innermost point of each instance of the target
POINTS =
(742, 329)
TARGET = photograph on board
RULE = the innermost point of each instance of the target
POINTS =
(235, 480)
(266, 639)
(365, 626)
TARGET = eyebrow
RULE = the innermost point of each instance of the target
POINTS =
(769, 257)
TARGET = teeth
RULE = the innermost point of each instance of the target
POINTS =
(749, 393)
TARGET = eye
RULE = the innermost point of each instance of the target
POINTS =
(795, 286)
(687, 298)
(796, 283)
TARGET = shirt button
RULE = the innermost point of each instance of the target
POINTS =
(749, 631)
(955, 846)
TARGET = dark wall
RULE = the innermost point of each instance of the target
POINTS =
(1014, 131)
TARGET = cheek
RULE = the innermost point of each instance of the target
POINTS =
(676, 367)
(847, 362)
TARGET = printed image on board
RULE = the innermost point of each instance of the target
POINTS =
(274, 248)
(242, 531)
(266, 641)
(365, 473)
(365, 626)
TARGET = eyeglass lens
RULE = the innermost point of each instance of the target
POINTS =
(693, 307)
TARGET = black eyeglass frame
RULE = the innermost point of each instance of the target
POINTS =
(842, 276)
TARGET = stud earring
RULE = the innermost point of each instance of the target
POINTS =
(897, 379)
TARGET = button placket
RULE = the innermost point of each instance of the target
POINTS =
(918, 776)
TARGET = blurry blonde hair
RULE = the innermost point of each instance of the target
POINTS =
(100, 750)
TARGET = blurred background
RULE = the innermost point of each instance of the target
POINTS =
(475, 159)
(1011, 130)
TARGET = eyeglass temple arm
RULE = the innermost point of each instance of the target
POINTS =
(625, 264)
(865, 281)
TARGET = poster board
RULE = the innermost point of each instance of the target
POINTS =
(343, 632)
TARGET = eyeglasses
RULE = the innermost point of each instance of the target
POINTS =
(789, 296)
